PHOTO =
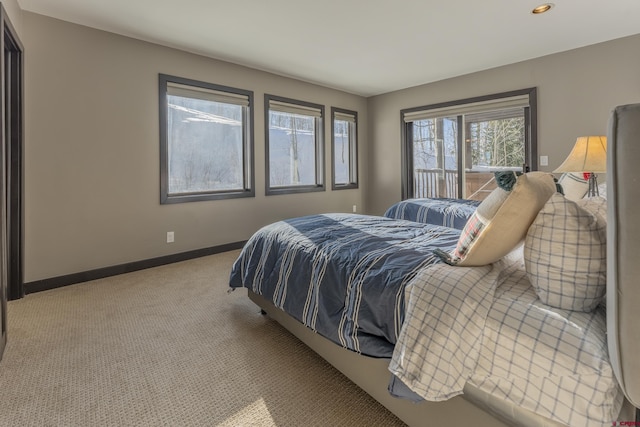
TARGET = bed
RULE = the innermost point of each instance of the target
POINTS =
(448, 212)
(400, 282)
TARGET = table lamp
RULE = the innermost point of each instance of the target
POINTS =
(589, 154)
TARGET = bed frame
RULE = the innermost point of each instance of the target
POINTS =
(372, 375)
(479, 409)
(623, 244)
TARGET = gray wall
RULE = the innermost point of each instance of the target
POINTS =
(15, 14)
(576, 91)
(92, 152)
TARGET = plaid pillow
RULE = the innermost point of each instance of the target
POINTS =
(595, 205)
(479, 220)
(469, 234)
(565, 254)
(501, 221)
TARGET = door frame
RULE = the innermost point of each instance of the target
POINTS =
(12, 119)
(11, 170)
(406, 133)
(14, 126)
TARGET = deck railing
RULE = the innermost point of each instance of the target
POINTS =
(439, 183)
(435, 183)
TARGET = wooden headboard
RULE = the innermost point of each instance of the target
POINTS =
(623, 247)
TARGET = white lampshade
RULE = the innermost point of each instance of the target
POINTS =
(588, 155)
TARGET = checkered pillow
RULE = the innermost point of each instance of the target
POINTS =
(501, 221)
(565, 254)
(596, 205)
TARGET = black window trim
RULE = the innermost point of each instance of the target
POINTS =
(248, 149)
(353, 151)
(319, 127)
(531, 139)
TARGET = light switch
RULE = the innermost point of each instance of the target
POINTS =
(544, 160)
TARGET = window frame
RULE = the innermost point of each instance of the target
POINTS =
(319, 148)
(248, 154)
(353, 150)
(531, 133)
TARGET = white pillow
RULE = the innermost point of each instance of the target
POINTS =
(602, 191)
(573, 184)
(565, 253)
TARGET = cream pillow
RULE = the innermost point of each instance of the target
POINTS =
(565, 253)
(501, 221)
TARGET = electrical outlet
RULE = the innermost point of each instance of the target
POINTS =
(544, 160)
(355, 209)
(170, 237)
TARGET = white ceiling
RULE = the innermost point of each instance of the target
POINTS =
(366, 47)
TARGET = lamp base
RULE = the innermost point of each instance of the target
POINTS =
(593, 185)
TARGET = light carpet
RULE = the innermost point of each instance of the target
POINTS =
(167, 346)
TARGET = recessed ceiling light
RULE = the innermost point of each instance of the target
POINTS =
(542, 8)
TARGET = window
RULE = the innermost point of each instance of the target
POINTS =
(294, 144)
(453, 149)
(344, 146)
(206, 142)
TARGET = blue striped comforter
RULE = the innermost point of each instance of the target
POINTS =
(440, 211)
(341, 275)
